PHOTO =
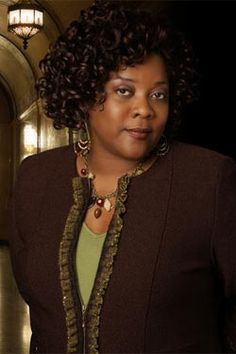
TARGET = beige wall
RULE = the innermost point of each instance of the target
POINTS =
(24, 129)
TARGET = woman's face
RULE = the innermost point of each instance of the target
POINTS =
(135, 112)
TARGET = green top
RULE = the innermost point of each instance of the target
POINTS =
(88, 252)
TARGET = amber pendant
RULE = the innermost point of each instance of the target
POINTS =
(97, 213)
(100, 202)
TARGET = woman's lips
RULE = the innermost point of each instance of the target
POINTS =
(139, 133)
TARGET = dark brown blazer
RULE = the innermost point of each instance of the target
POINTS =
(166, 281)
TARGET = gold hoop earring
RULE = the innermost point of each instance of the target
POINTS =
(83, 145)
(163, 146)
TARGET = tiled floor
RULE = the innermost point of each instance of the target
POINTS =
(14, 318)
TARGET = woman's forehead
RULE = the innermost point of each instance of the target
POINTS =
(152, 67)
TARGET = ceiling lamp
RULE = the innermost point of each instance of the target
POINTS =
(25, 19)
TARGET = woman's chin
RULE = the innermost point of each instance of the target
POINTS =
(137, 155)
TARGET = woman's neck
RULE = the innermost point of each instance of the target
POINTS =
(110, 166)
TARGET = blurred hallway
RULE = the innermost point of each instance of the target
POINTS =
(14, 318)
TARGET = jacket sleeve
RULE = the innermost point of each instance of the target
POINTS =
(224, 248)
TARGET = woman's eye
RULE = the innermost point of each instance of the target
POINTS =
(123, 91)
(159, 95)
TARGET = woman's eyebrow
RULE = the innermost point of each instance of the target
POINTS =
(161, 82)
(123, 78)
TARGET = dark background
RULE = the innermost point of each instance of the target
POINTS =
(211, 28)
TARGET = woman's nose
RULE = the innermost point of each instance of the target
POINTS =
(142, 108)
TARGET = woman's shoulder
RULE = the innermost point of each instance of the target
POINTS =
(42, 166)
(201, 162)
(49, 158)
(194, 154)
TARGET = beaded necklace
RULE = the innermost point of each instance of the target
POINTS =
(103, 201)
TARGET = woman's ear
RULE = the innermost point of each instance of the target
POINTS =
(100, 99)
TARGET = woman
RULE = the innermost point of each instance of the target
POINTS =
(124, 243)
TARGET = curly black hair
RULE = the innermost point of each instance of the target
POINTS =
(109, 35)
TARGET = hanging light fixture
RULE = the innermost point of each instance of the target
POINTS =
(25, 19)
